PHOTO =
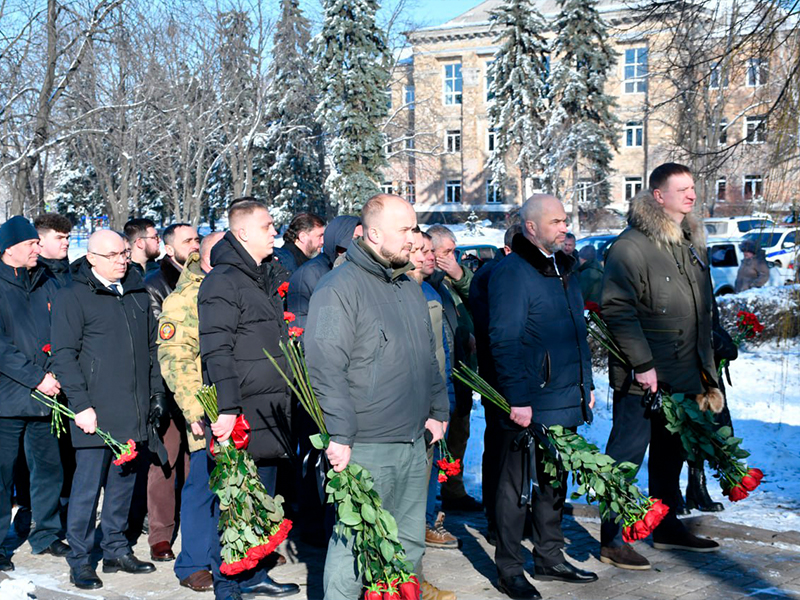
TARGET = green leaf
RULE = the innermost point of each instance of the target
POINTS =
(368, 514)
(316, 441)
(387, 550)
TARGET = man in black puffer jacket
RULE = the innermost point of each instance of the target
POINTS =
(26, 295)
(240, 310)
(538, 340)
(104, 355)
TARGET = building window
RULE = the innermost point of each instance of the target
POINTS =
(494, 193)
(582, 191)
(388, 98)
(453, 140)
(490, 139)
(756, 72)
(537, 185)
(452, 84)
(722, 188)
(635, 75)
(452, 191)
(386, 187)
(409, 96)
(714, 77)
(753, 187)
(755, 130)
(388, 147)
(634, 133)
(633, 185)
(722, 132)
(410, 192)
(489, 80)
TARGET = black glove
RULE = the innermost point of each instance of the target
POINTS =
(159, 413)
(724, 347)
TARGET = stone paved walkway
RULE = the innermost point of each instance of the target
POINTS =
(751, 564)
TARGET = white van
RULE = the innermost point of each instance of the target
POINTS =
(731, 227)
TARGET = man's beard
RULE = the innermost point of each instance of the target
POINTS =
(553, 246)
(395, 260)
(180, 259)
(150, 255)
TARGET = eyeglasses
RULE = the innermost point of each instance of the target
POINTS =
(126, 254)
(150, 237)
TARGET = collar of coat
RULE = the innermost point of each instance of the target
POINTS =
(648, 216)
(365, 257)
(523, 246)
(192, 273)
(171, 271)
(21, 276)
(131, 281)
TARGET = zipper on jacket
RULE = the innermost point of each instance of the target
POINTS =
(584, 401)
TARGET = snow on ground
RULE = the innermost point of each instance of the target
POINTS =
(764, 401)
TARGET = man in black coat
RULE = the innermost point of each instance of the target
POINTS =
(479, 302)
(302, 241)
(26, 295)
(180, 240)
(240, 312)
(538, 341)
(104, 355)
(54, 234)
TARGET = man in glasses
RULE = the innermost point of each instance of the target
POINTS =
(104, 356)
(145, 245)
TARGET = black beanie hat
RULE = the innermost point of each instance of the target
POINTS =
(15, 230)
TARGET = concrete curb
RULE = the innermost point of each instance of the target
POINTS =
(707, 525)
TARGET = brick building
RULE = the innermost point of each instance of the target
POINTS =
(439, 139)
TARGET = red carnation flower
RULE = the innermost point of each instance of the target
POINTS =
(288, 317)
(441, 478)
(592, 307)
(46, 348)
(295, 332)
(283, 289)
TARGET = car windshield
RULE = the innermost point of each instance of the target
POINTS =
(749, 225)
(765, 239)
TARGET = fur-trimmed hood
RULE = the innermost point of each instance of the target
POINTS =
(648, 216)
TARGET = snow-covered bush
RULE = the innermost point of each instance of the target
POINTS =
(777, 308)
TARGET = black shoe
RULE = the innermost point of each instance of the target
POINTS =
(85, 578)
(680, 509)
(5, 563)
(57, 548)
(465, 503)
(128, 563)
(564, 572)
(272, 588)
(518, 587)
(697, 495)
(682, 539)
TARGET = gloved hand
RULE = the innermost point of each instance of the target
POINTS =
(159, 413)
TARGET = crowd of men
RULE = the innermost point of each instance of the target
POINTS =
(126, 341)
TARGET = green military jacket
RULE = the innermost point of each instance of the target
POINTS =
(179, 346)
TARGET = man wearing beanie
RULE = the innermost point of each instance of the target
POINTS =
(26, 295)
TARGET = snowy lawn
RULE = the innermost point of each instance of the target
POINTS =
(764, 402)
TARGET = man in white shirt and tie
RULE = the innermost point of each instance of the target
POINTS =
(104, 356)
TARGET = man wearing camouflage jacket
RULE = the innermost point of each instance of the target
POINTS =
(179, 356)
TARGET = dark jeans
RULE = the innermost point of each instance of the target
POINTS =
(94, 470)
(546, 510)
(199, 534)
(630, 435)
(41, 451)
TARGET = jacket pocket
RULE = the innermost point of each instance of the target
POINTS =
(376, 364)
(544, 371)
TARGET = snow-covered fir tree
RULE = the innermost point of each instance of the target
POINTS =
(581, 129)
(518, 74)
(293, 140)
(352, 73)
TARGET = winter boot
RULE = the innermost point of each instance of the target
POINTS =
(697, 494)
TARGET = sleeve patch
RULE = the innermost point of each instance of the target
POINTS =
(166, 331)
(328, 323)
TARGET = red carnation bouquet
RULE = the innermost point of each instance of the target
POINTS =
(448, 467)
(596, 474)
(700, 438)
(122, 452)
(251, 522)
(747, 327)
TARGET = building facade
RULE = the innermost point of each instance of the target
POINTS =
(709, 112)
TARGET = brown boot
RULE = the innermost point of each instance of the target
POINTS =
(624, 557)
(438, 537)
(431, 592)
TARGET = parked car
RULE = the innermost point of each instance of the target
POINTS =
(473, 257)
(725, 257)
(730, 227)
(779, 244)
(601, 243)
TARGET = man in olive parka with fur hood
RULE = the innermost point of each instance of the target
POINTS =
(657, 302)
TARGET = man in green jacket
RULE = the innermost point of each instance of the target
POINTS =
(590, 274)
(371, 356)
(657, 302)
